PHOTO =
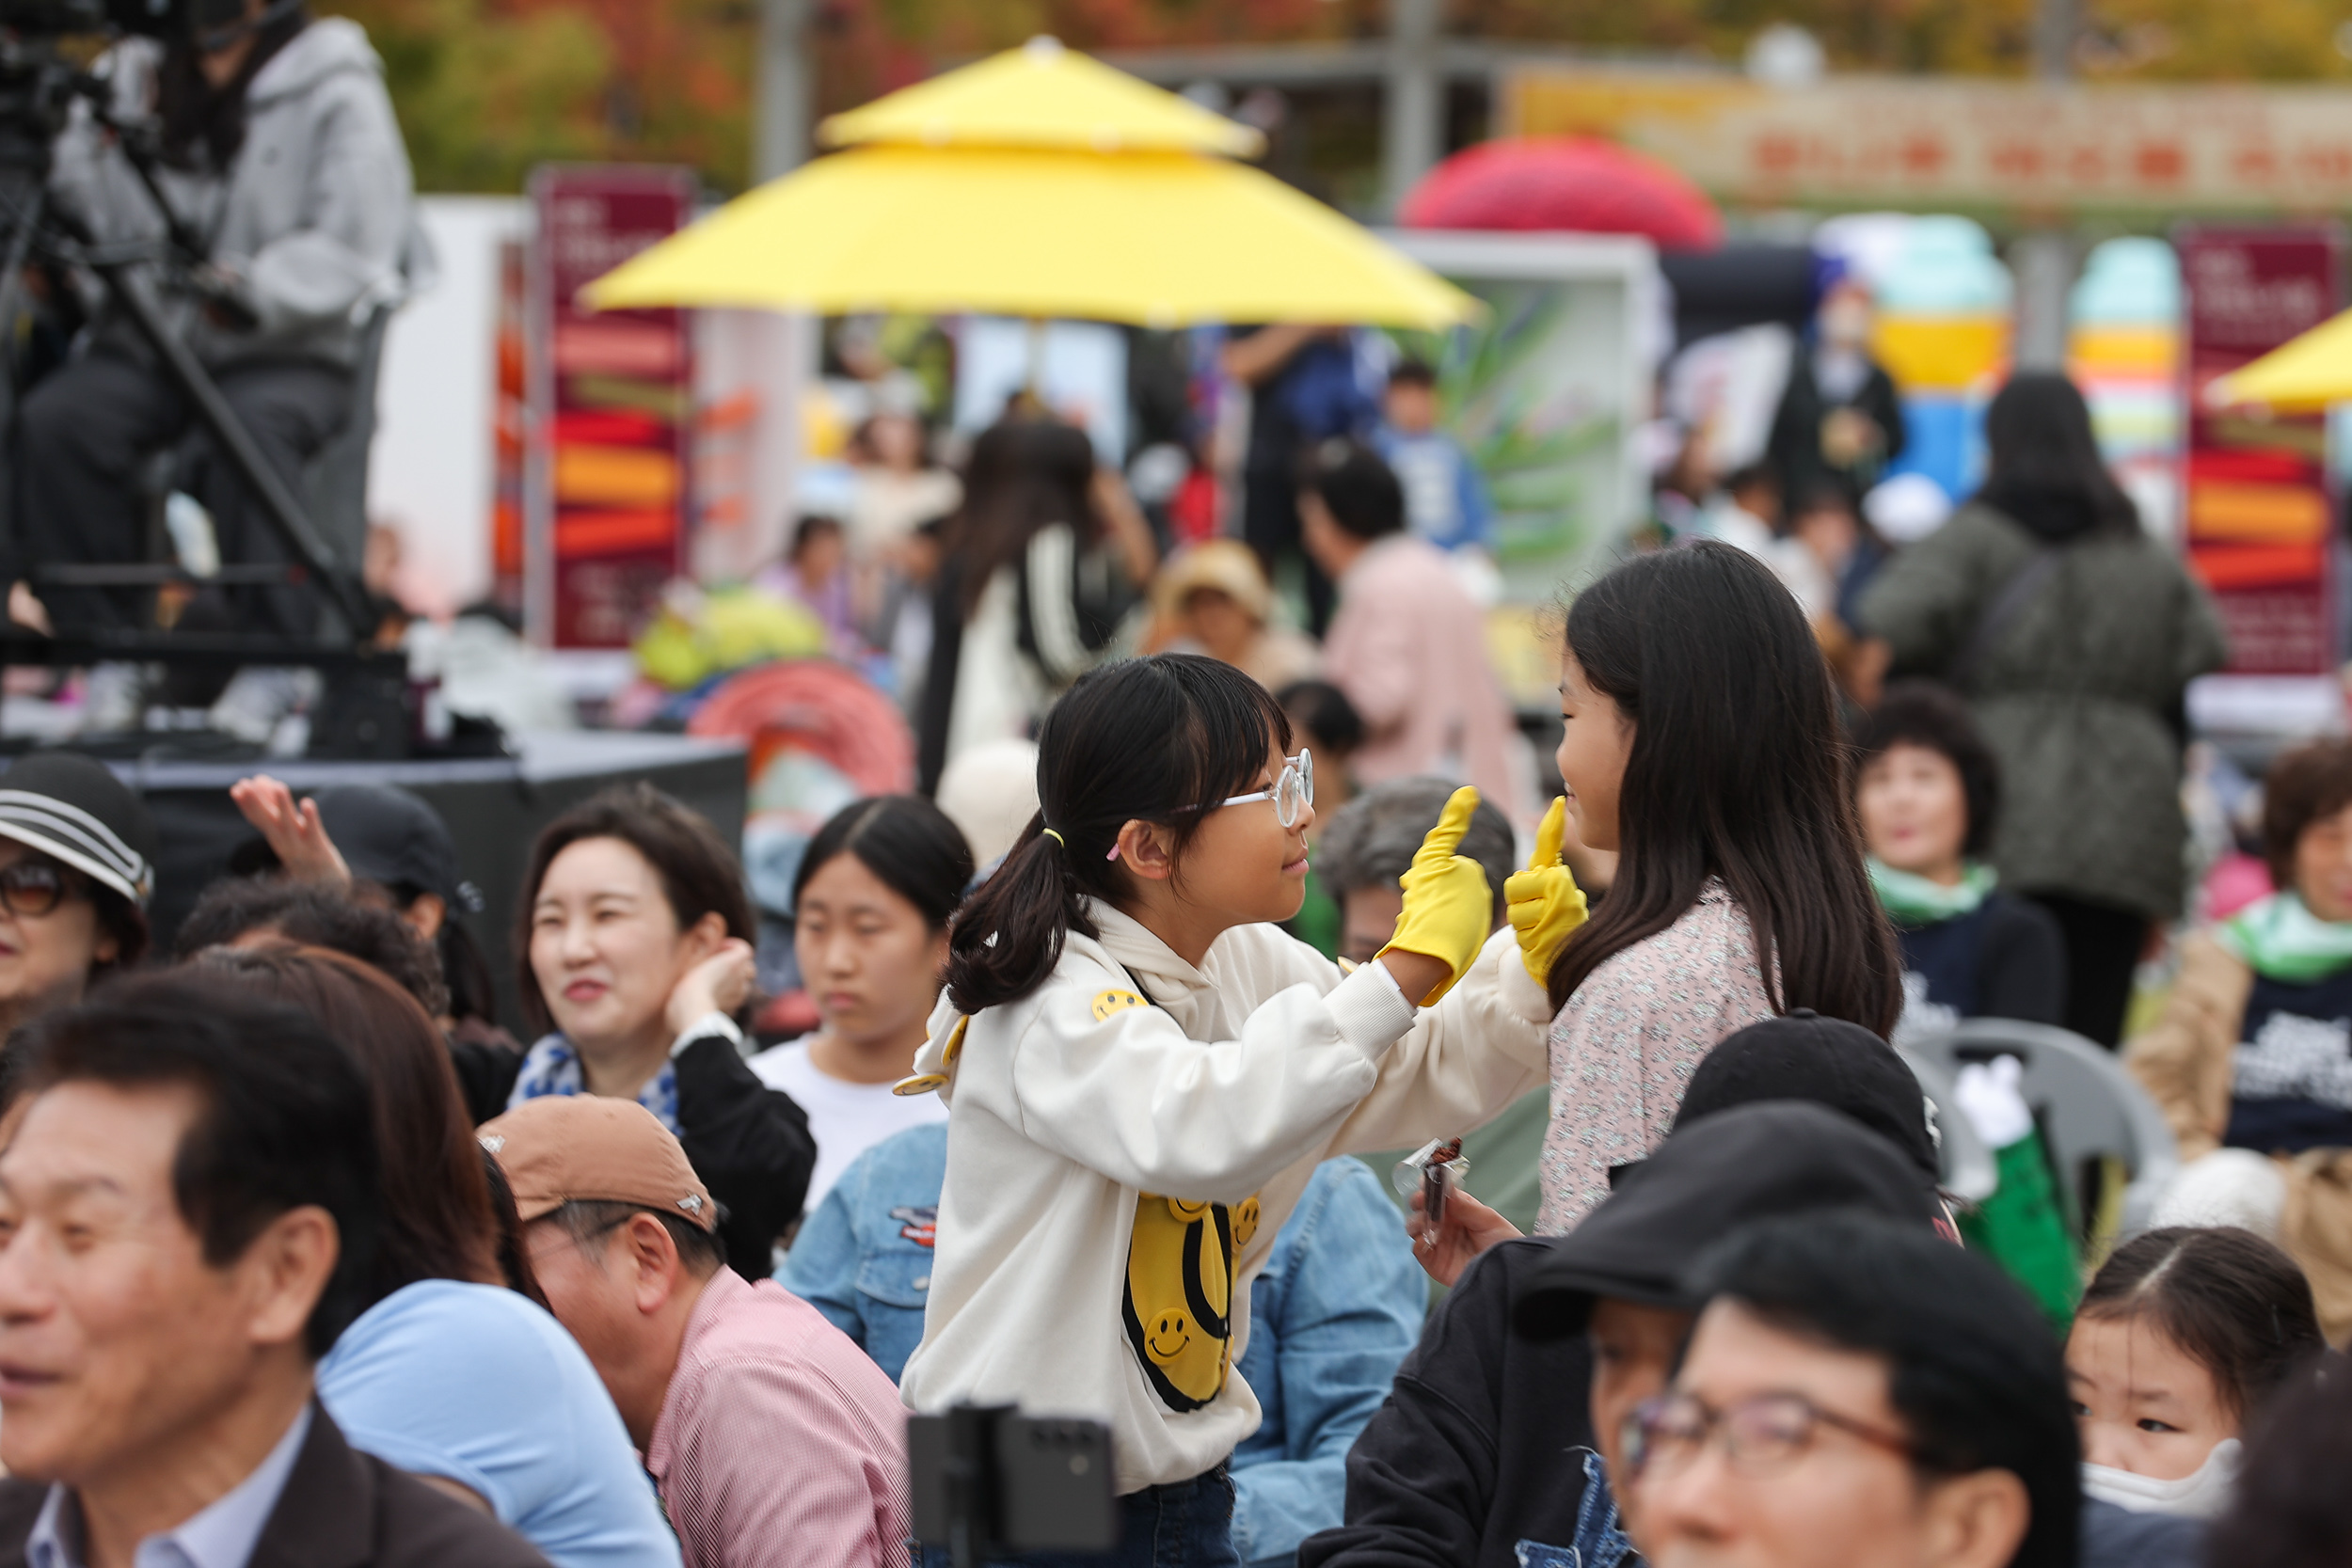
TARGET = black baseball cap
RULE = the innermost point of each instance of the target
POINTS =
(1705, 1181)
(1828, 1061)
(386, 835)
(71, 808)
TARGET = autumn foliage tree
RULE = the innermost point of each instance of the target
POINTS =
(487, 88)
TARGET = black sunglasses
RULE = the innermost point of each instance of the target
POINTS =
(32, 888)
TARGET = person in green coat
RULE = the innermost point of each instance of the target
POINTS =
(2073, 634)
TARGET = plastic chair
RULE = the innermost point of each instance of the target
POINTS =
(2085, 1104)
(1970, 1173)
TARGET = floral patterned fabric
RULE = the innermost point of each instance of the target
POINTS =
(1627, 1044)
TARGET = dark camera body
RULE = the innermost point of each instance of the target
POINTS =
(1008, 1484)
(57, 18)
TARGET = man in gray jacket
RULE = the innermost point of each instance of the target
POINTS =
(280, 147)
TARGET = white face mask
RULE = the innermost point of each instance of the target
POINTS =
(2200, 1494)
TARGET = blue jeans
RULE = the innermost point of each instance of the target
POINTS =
(1187, 1524)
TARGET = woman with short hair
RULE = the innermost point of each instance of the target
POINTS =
(447, 1373)
(634, 940)
(1928, 793)
(2251, 1058)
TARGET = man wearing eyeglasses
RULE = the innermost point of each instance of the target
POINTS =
(1857, 1392)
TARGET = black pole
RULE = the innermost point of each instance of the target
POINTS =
(278, 506)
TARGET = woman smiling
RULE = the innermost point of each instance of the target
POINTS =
(78, 852)
(636, 949)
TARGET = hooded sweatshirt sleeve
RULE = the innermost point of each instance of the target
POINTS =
(355, 203)
(1103, 1079)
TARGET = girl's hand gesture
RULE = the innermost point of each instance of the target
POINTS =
(719, 984)
(292, 830)
(1544, 901)
(1449, 909)
(1466, 1228)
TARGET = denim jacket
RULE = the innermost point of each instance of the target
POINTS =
(1336, 1309)
(864, 1258)
(1600, 1540)
(1334, 1312)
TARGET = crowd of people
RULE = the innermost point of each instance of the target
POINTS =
(305, 1257)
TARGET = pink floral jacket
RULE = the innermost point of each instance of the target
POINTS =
(1627, 1044)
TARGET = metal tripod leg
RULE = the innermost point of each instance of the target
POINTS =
(278, 506)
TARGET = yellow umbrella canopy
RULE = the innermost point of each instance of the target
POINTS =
(1036, 183)
(1157, 239)
(2303, 375)
(1042, 95)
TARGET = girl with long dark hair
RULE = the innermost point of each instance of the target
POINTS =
(1042, 564)
(1142, 1072)
(1702, 745)
(2072, 635)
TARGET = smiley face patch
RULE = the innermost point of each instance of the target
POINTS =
(1179, 1294)
(1111, 1002)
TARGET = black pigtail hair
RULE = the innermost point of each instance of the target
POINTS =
(1156, 740)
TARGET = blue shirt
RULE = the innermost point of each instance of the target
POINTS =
(478, 1384)
(1445, 497)
(1332, 1314)
(222, 1535)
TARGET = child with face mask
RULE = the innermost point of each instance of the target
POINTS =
(2180, 1339)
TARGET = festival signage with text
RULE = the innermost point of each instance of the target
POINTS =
(611, 401)
(1945, 141)
(2260, 522)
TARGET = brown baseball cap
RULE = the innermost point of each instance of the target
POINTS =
(593, 1149)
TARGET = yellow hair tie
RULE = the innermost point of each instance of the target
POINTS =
(1056, 837)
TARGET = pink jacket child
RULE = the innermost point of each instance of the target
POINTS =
(1409, 646)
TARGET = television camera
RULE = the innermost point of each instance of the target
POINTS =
(43, 73)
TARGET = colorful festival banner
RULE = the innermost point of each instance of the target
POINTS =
(2260, 522)
(611, 406)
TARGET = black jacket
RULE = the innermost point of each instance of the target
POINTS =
(1470, 1455)
(749, 1142)
(341, 1509)
(1795, 446)
(2005, 959)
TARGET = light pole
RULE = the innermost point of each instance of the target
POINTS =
(1413, 131)
(2043, 256)
(780, 130)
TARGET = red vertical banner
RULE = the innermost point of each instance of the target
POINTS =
(611, 403)
(2260, 520)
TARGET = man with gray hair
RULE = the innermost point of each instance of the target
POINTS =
(1364, 850)
(1369, 843)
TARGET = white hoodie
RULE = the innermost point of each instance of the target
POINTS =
(1070, 1105)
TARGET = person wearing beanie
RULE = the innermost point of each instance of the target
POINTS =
(77, 869)
(1496, 1446)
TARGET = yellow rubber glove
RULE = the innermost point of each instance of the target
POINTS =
(1544, 901)
(1449, 909)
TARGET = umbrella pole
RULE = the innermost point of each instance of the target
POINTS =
(1034, 385)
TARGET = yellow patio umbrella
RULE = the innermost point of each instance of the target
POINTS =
(1042, 95)
(2303, 375)
(1036, 183)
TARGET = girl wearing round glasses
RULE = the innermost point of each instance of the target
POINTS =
(77, 851)
(1142, 1072)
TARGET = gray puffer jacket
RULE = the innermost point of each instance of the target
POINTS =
(2072, 695)
(314, 217)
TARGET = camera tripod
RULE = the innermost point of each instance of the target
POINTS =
(365, 706)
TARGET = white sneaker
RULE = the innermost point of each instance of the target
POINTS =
(262, 696)
(114, 698)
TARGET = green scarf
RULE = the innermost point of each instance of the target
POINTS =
(1910, 900)
(2283, 941)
